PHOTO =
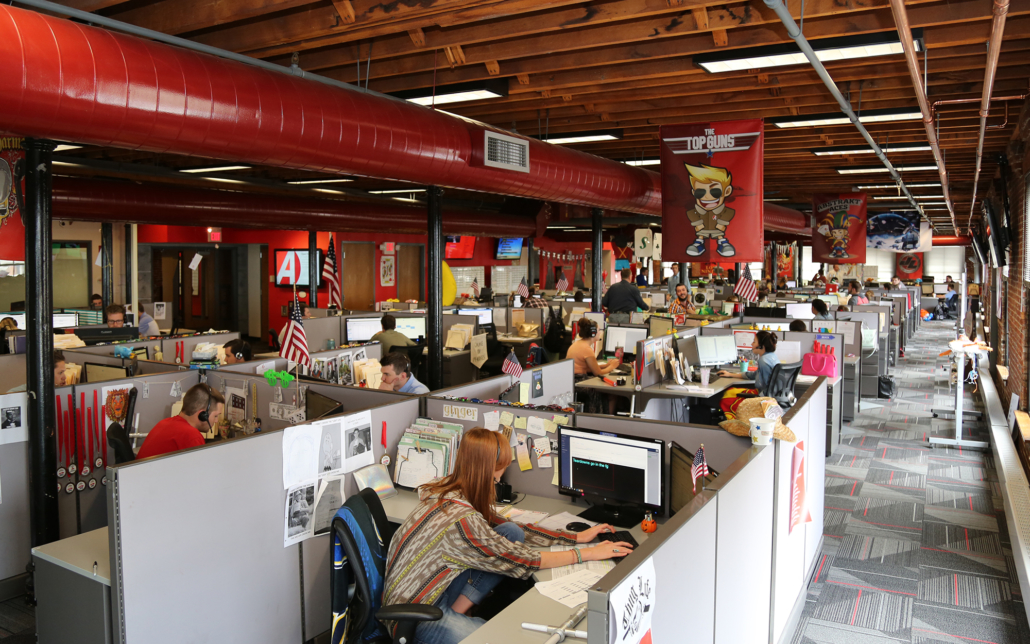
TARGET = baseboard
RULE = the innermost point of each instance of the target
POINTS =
(13, 586)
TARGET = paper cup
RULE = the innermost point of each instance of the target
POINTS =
(762, 430)
(743, 366)
(705, 372)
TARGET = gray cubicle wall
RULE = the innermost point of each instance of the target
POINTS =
(319, 331)
(558, 379)
(175, 504)
(490, 388)
(15, 522)
(146, 367)
(13, 372)
(251, 366)
(82, 357)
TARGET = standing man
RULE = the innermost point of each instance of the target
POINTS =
(674, 279)
(390, 337)
(397, 376)
(682, 304)
(622, 299)
(202, 406)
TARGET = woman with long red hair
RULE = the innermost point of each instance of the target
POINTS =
(453, 549)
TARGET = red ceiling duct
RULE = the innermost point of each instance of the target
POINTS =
(786, 220)
(951, 240)
(69, 81)
(116, 201)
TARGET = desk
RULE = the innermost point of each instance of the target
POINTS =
(834, 401)
(73, 604)
(532, 607)
(457, 367)
(660, 390)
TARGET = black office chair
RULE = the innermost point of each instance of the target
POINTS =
(495, 353)
(364, 535)
(118, 439)
(417, 360)
(781, 385)
(273, 340)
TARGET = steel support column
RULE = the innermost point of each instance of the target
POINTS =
(39, 287)
(597, 245)
(434, 297)
(130, 265)
(684, 278)
(533, 265)
(107, 263)
(313, 269)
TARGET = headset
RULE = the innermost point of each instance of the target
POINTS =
(204, 415)
(593, 327)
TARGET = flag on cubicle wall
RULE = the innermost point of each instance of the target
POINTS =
(522, 289)
(295, 341)
(331, 277)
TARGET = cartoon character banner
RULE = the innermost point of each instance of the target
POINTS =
(899, 232)
(712, 191)
(838, 234)
(12, 191)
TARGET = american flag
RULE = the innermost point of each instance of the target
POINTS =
(331, 278)
(699, 468)
(295, 342)
(511, 365)
(745, 287)
(563, 284)
(523, 288)
(475, 287)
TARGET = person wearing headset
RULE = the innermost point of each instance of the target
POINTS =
(583, 356)
(202, 406)
(237, 351)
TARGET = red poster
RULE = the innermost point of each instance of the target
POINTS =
(12, 189)
(712, 191)
(785, 261)
(798, 503)
(909, 266)
(838, 235)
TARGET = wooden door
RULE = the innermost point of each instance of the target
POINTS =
(409, 272)
(359, 276)
(198, 291)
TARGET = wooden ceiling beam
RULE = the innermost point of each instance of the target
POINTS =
(183, 16)
(89, 5)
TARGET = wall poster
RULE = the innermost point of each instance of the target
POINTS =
(712, 191)
(839, 230)
(387, 275)
(899, 232)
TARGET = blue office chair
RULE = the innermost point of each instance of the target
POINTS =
(361, 540)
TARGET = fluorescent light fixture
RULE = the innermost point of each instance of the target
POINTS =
(826, 50)
(309, 182)
(457, 92)
(850, 149)
(221, 168)
(777, 199)
(879, 168)
(67, 148)
(396, 192)
(639, 162)
(839, 118)
(328, 191)
(221, 180)
(891, 186)
(918, 197)
(584, 137)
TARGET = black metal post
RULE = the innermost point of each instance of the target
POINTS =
(130, 265)
(39, 296)
(684, 278)
(597, 245)
(533, 264)
(434, 298)
(107, 262)
(313, 269)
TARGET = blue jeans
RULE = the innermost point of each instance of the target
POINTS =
(474, 584)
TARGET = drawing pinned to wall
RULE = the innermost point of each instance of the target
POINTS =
(346, 372)
(330, 451)
(300, 509)
(358, 441)
(387, 274)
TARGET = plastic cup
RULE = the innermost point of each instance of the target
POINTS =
(705, 372)
(744, 365)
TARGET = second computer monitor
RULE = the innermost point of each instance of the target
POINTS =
(362, 329)
(413, 328)
(715, 350)
(623, 336)
(485, 315)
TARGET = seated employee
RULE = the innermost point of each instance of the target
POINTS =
(202, 406)
(622, 299)
(641, 278)
(390, 337)
(798, 325)
(115, 314)
(578, 297)
(581, 352)
(397, 376)
(821, 310)
(764, 348)
(856, 297)
(453, 548)
(682, 304)
(96, 302)
(59, 369)
(951, 294)
(534, 302)
(237, 351)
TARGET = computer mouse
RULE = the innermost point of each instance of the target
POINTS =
(577, 526)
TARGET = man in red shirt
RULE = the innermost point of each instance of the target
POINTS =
(202, 406)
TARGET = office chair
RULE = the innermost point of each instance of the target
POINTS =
(273, 340)
(781, 385)
(417, 359)
(118, 439)
(361, 539)
(495, 352)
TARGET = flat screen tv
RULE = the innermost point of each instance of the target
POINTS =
(291, 267)
(461, 247)
(509, 248)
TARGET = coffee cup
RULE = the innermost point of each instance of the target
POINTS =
(762, 430)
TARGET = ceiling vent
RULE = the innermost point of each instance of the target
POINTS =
(506, 152)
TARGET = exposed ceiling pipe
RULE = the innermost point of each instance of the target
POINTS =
(151, 203)
(905, 35)
(1001, 11)
(795, 33)
(83, 84)
(786, 220)
(951, 240)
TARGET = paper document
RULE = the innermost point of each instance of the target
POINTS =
(300, 513)
(300, 455)
(570, 590)
(536, 426)
(789, 351)
(601, 567)
(523, 516)
(559, 521)
(357, 430)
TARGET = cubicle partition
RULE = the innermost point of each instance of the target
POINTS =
(13, 372)
(320, 331)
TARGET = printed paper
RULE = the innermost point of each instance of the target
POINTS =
(330, 447)
(358, 440)
(535, 425)
(300, 510)
(492, 420)
(631, 604)
(14, 426)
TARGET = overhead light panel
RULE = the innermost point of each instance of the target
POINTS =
(639, 162)
(221, 180)
(67, 148)
(456, 93)
(872, 169)
(584, 137)
(396, 191)
(328, 191)
(850, 149)
(891, 186)
(221, 168)
(310, 182)
(917, 197)
(838, 118)
(826, 49)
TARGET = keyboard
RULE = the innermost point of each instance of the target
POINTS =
(622, 535)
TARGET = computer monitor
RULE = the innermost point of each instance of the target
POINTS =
(413, 328)
(681, 484)
(19, 319)
(362, 329)
(596, 318)
(800, 311)
(657, 300)
(485, 315)
(765, 312)
(319, 406)
(96, 335)
(622, 476)
(99, 372)
(65, 320)
(715, 350)
(658, 326)
(829, 299)
(623, 336)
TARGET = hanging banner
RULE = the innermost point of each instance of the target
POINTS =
(838, 234)
(909, 266)
(899, 232)
(642, 240)
(12, 191)
(785, 261)
(799, 512)
(656, 247)
(712, 190)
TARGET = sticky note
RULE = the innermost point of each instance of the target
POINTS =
(554, 480)
(520, 422)
(561, 420)
(535, 425)
(507, 418)
(522, 451)
(550, 426)
(491, 420)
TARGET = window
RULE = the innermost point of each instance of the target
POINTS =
(944, 261)
(808, 267)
